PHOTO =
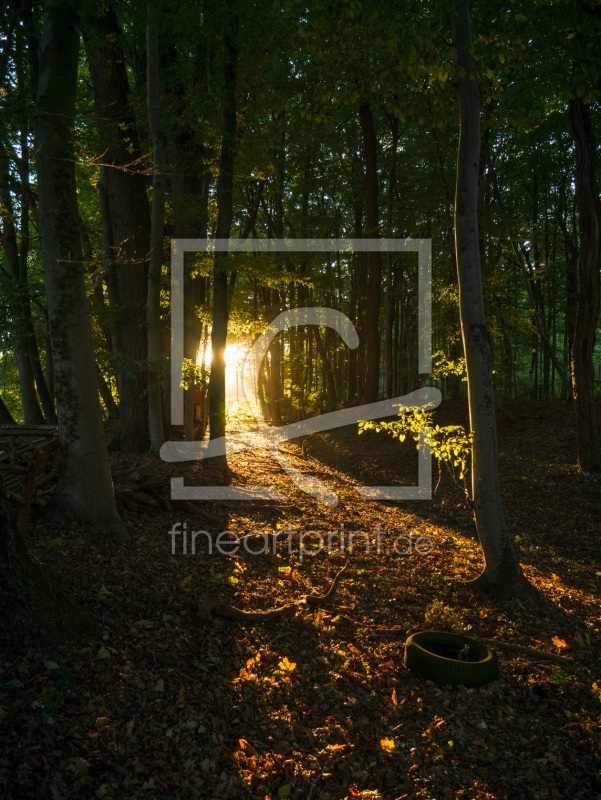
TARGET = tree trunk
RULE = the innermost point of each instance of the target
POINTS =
(589, 212)
(110, 275)
(85, 489)
(112, 409)
(46, 398)
(225, 188)
(153, 302)
(6, 418)
(370, 183)
(389, 276)
(32, 412)
(327, 366)
(129, 215)
(502, 572)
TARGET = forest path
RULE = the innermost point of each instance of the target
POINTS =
(321, 702)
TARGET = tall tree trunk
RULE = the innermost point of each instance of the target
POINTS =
(571, 261)
(153, 302)
(370, 182)
(589, 212)
(112, 409)
(85, 488)
(528, 285)
(389, 276)
(225, 188)
(330, 384)
(129, 214)
(46, 398)
(15, 290)
(6, 418)
(355, 298)
(502, 572)
(110, 275)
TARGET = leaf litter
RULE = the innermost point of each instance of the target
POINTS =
(319, 705)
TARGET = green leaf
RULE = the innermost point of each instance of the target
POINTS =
(284, 791)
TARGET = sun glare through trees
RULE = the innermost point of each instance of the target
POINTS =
(300, 400)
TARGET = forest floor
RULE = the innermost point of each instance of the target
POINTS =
(320, 705)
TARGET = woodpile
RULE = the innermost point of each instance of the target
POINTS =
(29, 459)
(29, 456)
(140, 489)
(23, 447)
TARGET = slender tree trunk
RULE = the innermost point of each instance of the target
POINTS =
(589, 213)
(49, 373)
(529, 288)
(6, 418)
(355, 298)
(129, 214)
(502, 572)
(110, 276)
(327, 366)
(46, 398)
(389, 276)
(225, 189)
(112, 408)
(85, 489)
(571, 261)
(153, 302)
(32, 412)
(372, 333)
(275, 353)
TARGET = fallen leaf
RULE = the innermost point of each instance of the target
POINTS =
(186, 584)
(561, 644)
(159, 685)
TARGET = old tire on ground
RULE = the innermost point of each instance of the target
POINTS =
(420, 659)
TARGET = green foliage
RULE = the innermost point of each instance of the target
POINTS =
(559, 677)
(450, 444)
(445, 368)
(442, 617)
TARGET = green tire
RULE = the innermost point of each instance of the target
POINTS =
(449, 671)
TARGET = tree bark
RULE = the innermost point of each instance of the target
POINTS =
(327, 366)
(112, 409)
(15, 290)
(46, 398)
(129, 214)
(370, 183)
(502, 572)
(589, 213)
(6, 418)
(85, 489)
(153, 302)
(389, 315)
(110, 276)
(225, 187)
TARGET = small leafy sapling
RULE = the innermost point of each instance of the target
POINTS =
(450, 444)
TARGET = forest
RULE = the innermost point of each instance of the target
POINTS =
(300, 399)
